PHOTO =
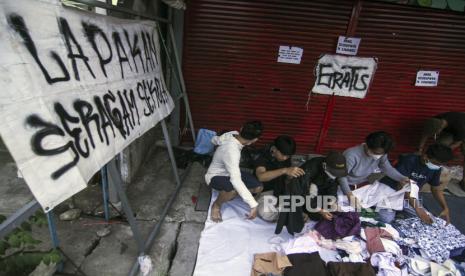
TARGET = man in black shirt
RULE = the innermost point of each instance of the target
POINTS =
(320, 175)
(275, 164)
(447, 129)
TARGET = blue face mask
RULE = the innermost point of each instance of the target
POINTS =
(432, 166)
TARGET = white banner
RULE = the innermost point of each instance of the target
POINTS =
(344, 76)
(76, 89)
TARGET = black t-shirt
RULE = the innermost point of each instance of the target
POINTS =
(270, 163)
(455, 124)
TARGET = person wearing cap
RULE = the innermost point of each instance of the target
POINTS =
(447, 129)
(421, 169)
(320, 175)
(274, 165)
(365, 161)
(224, 174)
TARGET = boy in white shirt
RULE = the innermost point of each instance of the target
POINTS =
(224, 174)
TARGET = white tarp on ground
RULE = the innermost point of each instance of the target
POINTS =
(227, 248)
(76, 89)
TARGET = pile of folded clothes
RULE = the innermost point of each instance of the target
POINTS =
(356, 244)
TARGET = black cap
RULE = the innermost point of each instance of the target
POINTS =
(285, 144)
(336, 164)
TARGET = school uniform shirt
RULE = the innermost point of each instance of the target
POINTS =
(455, 124)
(226, 163)
(412, 166)
(360, 166)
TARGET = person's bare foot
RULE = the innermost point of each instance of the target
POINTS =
(216, 213)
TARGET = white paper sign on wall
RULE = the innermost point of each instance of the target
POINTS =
(77, 88)
(288, 54)
(427, 78)
(344, 75)
(347, 45)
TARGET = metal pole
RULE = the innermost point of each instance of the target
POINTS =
(181, 76)
(103, 5)
(53, 235)
(103, 172)
(170, 152)
(126, 207)
(14, 220)
(156, 229)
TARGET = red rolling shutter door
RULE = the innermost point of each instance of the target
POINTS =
(232, 75)
(404, 39)
(231, 69)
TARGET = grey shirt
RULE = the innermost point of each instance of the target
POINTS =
(360, 166)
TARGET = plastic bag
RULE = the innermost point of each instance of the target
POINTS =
(203, 144)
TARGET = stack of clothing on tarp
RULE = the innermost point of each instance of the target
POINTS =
(357, 244)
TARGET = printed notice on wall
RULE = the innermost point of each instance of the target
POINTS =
(344, 76)
(77, 88)
(347, 45)
(427, 78)
(288, 54)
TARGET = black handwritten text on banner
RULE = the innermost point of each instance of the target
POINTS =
(77, 88)
(344, 76)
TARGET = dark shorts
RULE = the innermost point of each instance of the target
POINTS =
(223, 183)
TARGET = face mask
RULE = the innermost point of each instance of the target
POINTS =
(376, 156)
(330, 175)
(432, 166)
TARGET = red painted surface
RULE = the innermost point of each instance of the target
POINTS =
(231, 48)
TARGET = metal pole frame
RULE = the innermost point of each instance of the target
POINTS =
(106, 6)
(18, 217)
(181, 79)
(103, 172)
(351, 28)
(54, 236)
(156, 229)
(114, 172)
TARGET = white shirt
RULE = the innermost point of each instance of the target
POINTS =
(226, 163)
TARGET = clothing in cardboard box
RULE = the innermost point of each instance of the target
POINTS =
(350, 269)
(304, 264)
(267, 263)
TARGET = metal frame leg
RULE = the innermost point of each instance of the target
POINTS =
(53, 235)
(113, 171)
(103, 172)
(156, 229)
(181, 79)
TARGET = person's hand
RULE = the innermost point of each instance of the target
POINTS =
(445, 214)
(424, 216)
(404, 181)
(354, 202)
(326, 215)
(313, 190)
(294, 171)
(375, 177)
(252, 214)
